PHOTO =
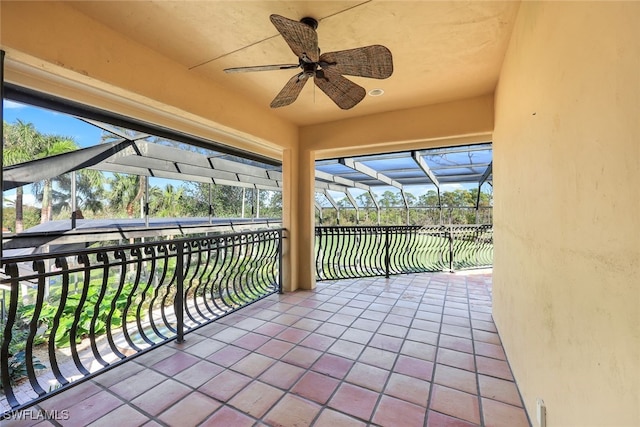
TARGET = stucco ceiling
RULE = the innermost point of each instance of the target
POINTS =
(442, 51)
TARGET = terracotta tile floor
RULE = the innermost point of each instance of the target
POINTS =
(413, 350)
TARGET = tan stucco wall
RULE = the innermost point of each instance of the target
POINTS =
(452, 123)
(567, 202)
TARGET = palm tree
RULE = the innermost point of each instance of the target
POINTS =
(89, 191)
(21, 144)
(52, 145)
(124, 195)
(168, 203)
(126, 191)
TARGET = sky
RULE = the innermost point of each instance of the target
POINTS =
(53, 122)
(48, 122)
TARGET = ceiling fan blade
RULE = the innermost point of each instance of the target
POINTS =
(345, 93)
(301, 38)
(261, 68)
(370, 61)
(290, 91)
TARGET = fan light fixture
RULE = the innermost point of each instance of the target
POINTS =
(326, 70)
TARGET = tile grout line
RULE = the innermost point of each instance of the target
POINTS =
(435, 362)
(475, 362)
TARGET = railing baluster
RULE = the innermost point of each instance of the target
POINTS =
(135, 253)
(203, 266)
(187, 276)
(230, 272)
(258, 254)
(207, 269)
(166, 298)
(214, 285)
(387, 258)
(280, 269)
(11, 270)
(367, 256)
(104, 258)
(178, 307)
(319, 245)
(161, 249)
(73, 331)
(451, 238)
(149, 250)
(118, 254)
(243, 270)
(33, 327)
(56, 324)
(221, 267)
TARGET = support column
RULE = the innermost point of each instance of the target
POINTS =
(243, 194)
(257, 203)
(298, 166)
(210, 206)
(146, 200)
(74, 208)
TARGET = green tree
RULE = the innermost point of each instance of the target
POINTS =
(344, 203)
(411, 199)
(392, 205)
(90, 193)
(225, 199)
(168, 202)
(271, 204)
(430, 198)
(390, 199)
(129, 188)
(21, 143)
(125, 192)
(52, 145)
(364, 200)
(368, 207)
(31, 216)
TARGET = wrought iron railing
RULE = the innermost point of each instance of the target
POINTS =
(350, 252)
(71, 315)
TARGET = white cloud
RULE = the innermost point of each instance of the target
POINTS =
(451, 187)
(27, 200)
(11, 105)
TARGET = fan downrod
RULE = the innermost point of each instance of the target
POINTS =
(313, 23)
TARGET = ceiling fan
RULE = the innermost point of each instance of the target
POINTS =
(326, 69)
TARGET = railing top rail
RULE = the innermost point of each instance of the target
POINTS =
(130, 246)
(443, 226)
(136, 227)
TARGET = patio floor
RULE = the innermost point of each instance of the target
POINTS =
(413, 350)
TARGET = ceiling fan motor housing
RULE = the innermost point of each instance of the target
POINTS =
(312, 22)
